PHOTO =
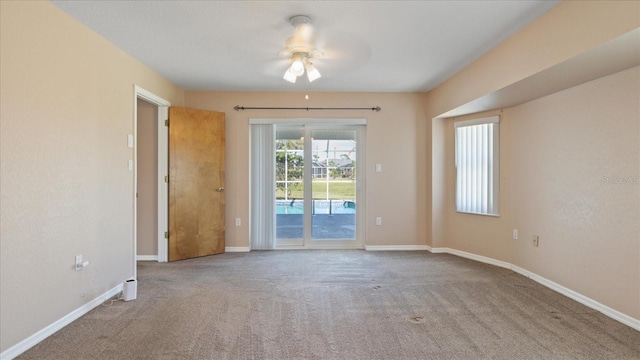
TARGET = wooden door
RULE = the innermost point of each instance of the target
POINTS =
(196, 183)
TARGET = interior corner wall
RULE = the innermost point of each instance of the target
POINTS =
(396, 139)
(570, 256)
(440, 204)
(66, 109)
(426, 127)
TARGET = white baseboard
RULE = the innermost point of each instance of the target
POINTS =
(614, 314)
(146, 257)
(237, 249)
(34, 339)
(480, 258)
(395, 247)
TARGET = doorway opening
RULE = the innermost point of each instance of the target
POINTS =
(149, 107)
(146, 184)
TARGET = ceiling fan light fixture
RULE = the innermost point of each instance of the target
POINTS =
(289, 76)
(297, 66)
(302, 48)
(312, 72)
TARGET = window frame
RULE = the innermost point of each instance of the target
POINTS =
(493, 206)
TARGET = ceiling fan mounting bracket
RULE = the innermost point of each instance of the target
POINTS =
(298, 20)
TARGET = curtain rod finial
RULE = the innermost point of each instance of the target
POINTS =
(377, 109)
(238, 108)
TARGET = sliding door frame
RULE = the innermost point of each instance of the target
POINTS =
(308, 240)
(359, 125)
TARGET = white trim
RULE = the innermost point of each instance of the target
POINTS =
(34, 339)
(311, 121)
(150, 97)
(135, 180)
(317, 245)
(480, 258)
(162, 104)
(231, 249)
(147, 258)
(614, 314)
(485, 120)
(163, 187)
(396, 247)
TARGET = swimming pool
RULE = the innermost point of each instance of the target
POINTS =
(318, 207)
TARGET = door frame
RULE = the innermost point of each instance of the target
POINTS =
(163, 195)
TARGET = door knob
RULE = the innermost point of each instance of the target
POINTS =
(220, 189)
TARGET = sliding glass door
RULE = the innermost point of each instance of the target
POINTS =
(289, 205)
(318, 188)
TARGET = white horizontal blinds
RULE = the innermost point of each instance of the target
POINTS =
(477, 162)
(263, 197)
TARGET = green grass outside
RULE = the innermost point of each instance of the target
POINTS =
(341, 190)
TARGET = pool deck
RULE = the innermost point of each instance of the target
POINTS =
(330, 227)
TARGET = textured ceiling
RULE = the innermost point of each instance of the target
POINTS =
(379, 46)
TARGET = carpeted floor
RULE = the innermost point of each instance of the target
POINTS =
(339, 305)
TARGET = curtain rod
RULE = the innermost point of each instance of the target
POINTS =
(238, 108)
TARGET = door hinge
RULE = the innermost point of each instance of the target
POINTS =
(166, 122)
(166, 179)
(166, 234)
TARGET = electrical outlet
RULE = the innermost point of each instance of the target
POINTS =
(378, 220)
(238, 222)
(78, 262)
(515, 234)
(536, 240)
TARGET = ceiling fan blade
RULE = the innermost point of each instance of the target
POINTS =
(284, 53)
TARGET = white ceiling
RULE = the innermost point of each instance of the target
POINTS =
(377, 46)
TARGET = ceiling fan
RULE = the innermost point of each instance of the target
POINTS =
(301, 48)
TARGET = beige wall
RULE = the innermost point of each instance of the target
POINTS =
(65, 112)
(147, 195)
(554, 152)
(576, 175)
(395, 138)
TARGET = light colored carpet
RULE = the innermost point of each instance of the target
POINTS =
(339, 305)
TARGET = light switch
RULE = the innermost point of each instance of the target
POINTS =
(130, 140)
(378, 167)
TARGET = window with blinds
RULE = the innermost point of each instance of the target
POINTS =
(477, 166)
